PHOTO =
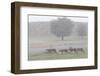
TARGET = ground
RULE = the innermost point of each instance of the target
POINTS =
(37, 48)
(53, 56)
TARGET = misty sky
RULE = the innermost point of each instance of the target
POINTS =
(33, 18)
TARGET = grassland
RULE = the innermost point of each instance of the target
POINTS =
(53, 56)
(40, 46)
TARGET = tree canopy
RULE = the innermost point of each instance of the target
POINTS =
(61, 27)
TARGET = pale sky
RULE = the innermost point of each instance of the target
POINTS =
(33, 18)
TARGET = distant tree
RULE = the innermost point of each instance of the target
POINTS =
(82, 30)
(61, 27)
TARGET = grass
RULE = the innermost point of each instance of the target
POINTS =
(54, 42)
(53, 56)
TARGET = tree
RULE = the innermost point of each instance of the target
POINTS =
(61, 27)
(82, 29)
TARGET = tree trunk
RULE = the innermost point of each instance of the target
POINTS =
(62, 37)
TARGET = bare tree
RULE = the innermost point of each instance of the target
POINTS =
(61, 27)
